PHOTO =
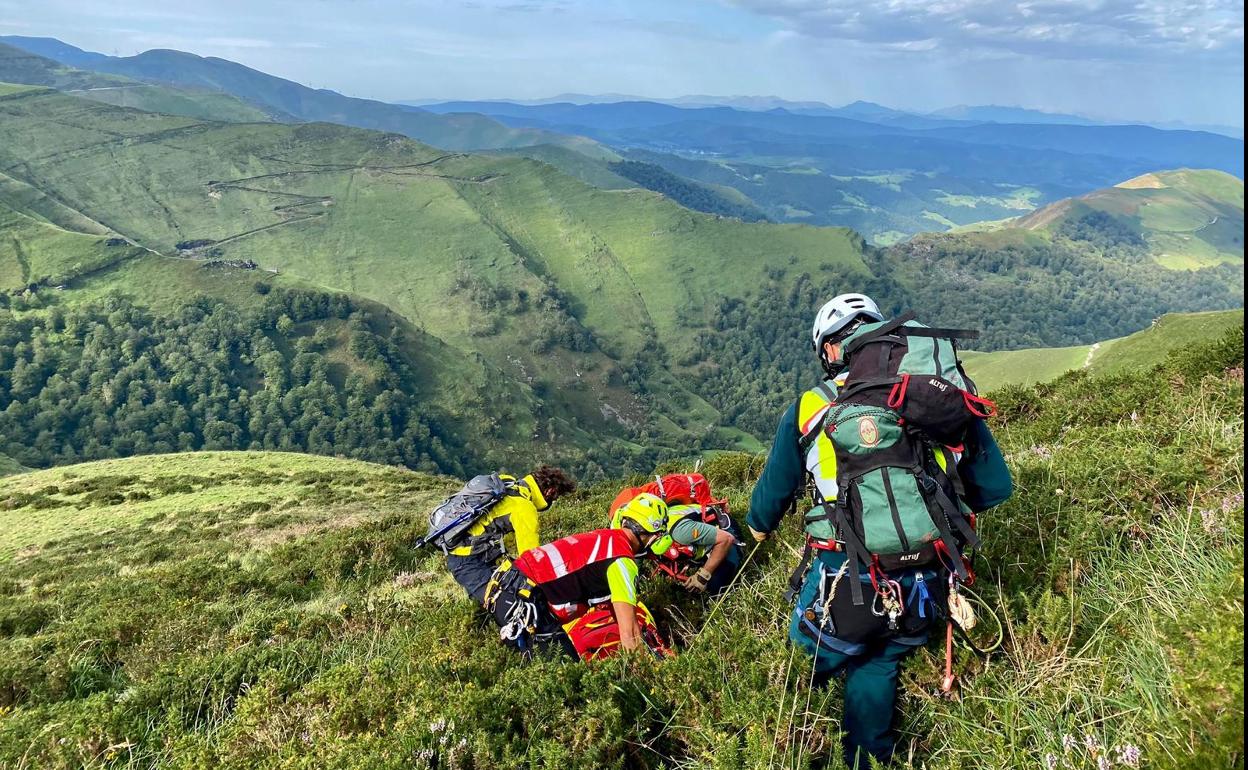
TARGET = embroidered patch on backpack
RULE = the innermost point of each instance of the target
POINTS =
(868, 431)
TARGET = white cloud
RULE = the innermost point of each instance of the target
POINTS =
(1056, 29)
(239, 42)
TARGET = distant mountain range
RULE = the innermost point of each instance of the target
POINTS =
(887, 173)
(864, 110)
(20, 66)
(290, 101)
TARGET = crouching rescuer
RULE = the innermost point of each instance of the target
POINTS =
(700, 549)
(894, 450)
(588, 581)
(471, 527)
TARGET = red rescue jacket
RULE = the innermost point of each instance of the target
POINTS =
(572, 571)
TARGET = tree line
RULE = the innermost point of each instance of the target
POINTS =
(111, 379)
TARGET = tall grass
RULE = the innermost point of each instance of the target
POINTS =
(210, 632)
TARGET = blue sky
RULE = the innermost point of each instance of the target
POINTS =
(1136, 59)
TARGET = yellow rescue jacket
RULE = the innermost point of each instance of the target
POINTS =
(515, 513)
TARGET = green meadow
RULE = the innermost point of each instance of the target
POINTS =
(257, 609)
(1172, 332)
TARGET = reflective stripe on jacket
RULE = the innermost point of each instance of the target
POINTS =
(820, 459)
(575, 571)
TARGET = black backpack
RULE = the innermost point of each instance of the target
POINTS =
(913, 370)
(449, 522)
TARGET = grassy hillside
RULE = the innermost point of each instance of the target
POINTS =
(1056, 280)
(19, 66)
(1023, 367)
(9, 466)
(112, 497)
(591, 171)
(1188, 218)
(44, 243)
(266, 610)
(308, 198)
(1171, 332)
(525, 272)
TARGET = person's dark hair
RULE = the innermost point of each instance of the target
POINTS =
(554, 482)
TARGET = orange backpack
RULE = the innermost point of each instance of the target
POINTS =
(674, 489)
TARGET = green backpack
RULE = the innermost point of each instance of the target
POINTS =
(898, 507)
(905, 401)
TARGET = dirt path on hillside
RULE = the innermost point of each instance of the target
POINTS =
(405, 169)
(1091, 352)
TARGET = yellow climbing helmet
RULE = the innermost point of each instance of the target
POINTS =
(645, 513)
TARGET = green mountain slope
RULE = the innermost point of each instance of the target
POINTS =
(1171, 332)
(591, 171)
(43, 242)
(18, 66)
(574, 293)
(1072, 273)
(266, 610)
(1187, 218)
(619, 327)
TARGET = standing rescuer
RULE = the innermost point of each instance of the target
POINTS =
(865, 630)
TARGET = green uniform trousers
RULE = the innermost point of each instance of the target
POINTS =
(870, 696)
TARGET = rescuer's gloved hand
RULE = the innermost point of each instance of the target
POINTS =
(697, 581)
(759, 536)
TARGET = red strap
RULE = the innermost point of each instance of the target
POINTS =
(897, 396)
(980, 407)
(875, 570)
(946, 686)
(823, 545)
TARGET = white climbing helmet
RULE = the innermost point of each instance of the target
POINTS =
(839, 312)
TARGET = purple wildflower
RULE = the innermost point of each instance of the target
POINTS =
(1130, 755)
